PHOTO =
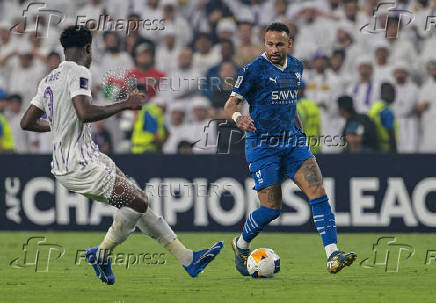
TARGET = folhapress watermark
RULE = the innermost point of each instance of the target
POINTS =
(38, 17)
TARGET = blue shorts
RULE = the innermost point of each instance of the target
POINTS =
(271, 165)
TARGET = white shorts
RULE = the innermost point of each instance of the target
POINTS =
(95, 181)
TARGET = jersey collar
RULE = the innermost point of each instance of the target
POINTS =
(282, 68)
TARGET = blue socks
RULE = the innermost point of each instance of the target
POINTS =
(257, 220)
(324, 220)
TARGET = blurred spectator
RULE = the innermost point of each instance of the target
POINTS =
(102, 137)
(53, 61)
(310, 116)
(6, 138)
(213, 74)
(167, 53)
(202, 130)
(178, 130)
(25, 76)
(182, 81)
(345, 41)
(337, 60)
(204, 55)
(401, 49)
(427, 110)
(384, 119)
(246, 50)
(148, 131)
(92, 10)
(14, 115)
(354, 139)
(134, 36)
(369, 135)
(363, 91)
(182, 28)
(221, 87)
(184, 148)
(113, 60)
(405, 109)
(39, 49)
(312, 24)
(382, 66)
(226, 30)
(255, 11)
(144, 71)
(280, 11)
(323, 89)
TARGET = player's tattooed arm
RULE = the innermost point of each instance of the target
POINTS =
(88, 112)
(233, 105)
(32, 121)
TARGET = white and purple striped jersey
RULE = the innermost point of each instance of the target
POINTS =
(73, 147)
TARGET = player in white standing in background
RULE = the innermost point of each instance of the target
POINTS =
(65, 97)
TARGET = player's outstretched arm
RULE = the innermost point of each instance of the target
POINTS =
(233, 109)
(87, 112)
(32, 121)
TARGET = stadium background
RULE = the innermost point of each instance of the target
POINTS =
(186, 56)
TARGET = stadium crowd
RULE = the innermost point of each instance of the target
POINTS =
(369, 79)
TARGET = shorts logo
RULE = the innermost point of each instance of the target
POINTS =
(259, 177)
(83, 83)
(239, 81)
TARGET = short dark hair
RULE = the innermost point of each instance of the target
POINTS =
(278, 27)
(339, 51)
(346, 103)
(55, 54)
(75, 36)
(387, 92)
(15, 97)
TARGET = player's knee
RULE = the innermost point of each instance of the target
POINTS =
(140, 203)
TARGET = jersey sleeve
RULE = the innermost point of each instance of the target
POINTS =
(38, 100)
(80, 82)
(244, 83)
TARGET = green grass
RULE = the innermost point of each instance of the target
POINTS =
(303, 276)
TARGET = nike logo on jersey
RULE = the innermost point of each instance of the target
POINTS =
(273, 80)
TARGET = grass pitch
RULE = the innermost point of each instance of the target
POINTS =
(303, 276)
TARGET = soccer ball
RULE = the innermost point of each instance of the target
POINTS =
(263, 263)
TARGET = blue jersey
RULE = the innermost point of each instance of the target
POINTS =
(271, 91)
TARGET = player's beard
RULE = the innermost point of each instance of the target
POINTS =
(275, 60)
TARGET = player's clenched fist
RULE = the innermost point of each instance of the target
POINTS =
(136, 101)
(245, 123)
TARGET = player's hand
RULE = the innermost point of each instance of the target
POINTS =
(136, 100)
(245, 123)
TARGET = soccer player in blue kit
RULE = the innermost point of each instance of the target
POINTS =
(276, 146)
